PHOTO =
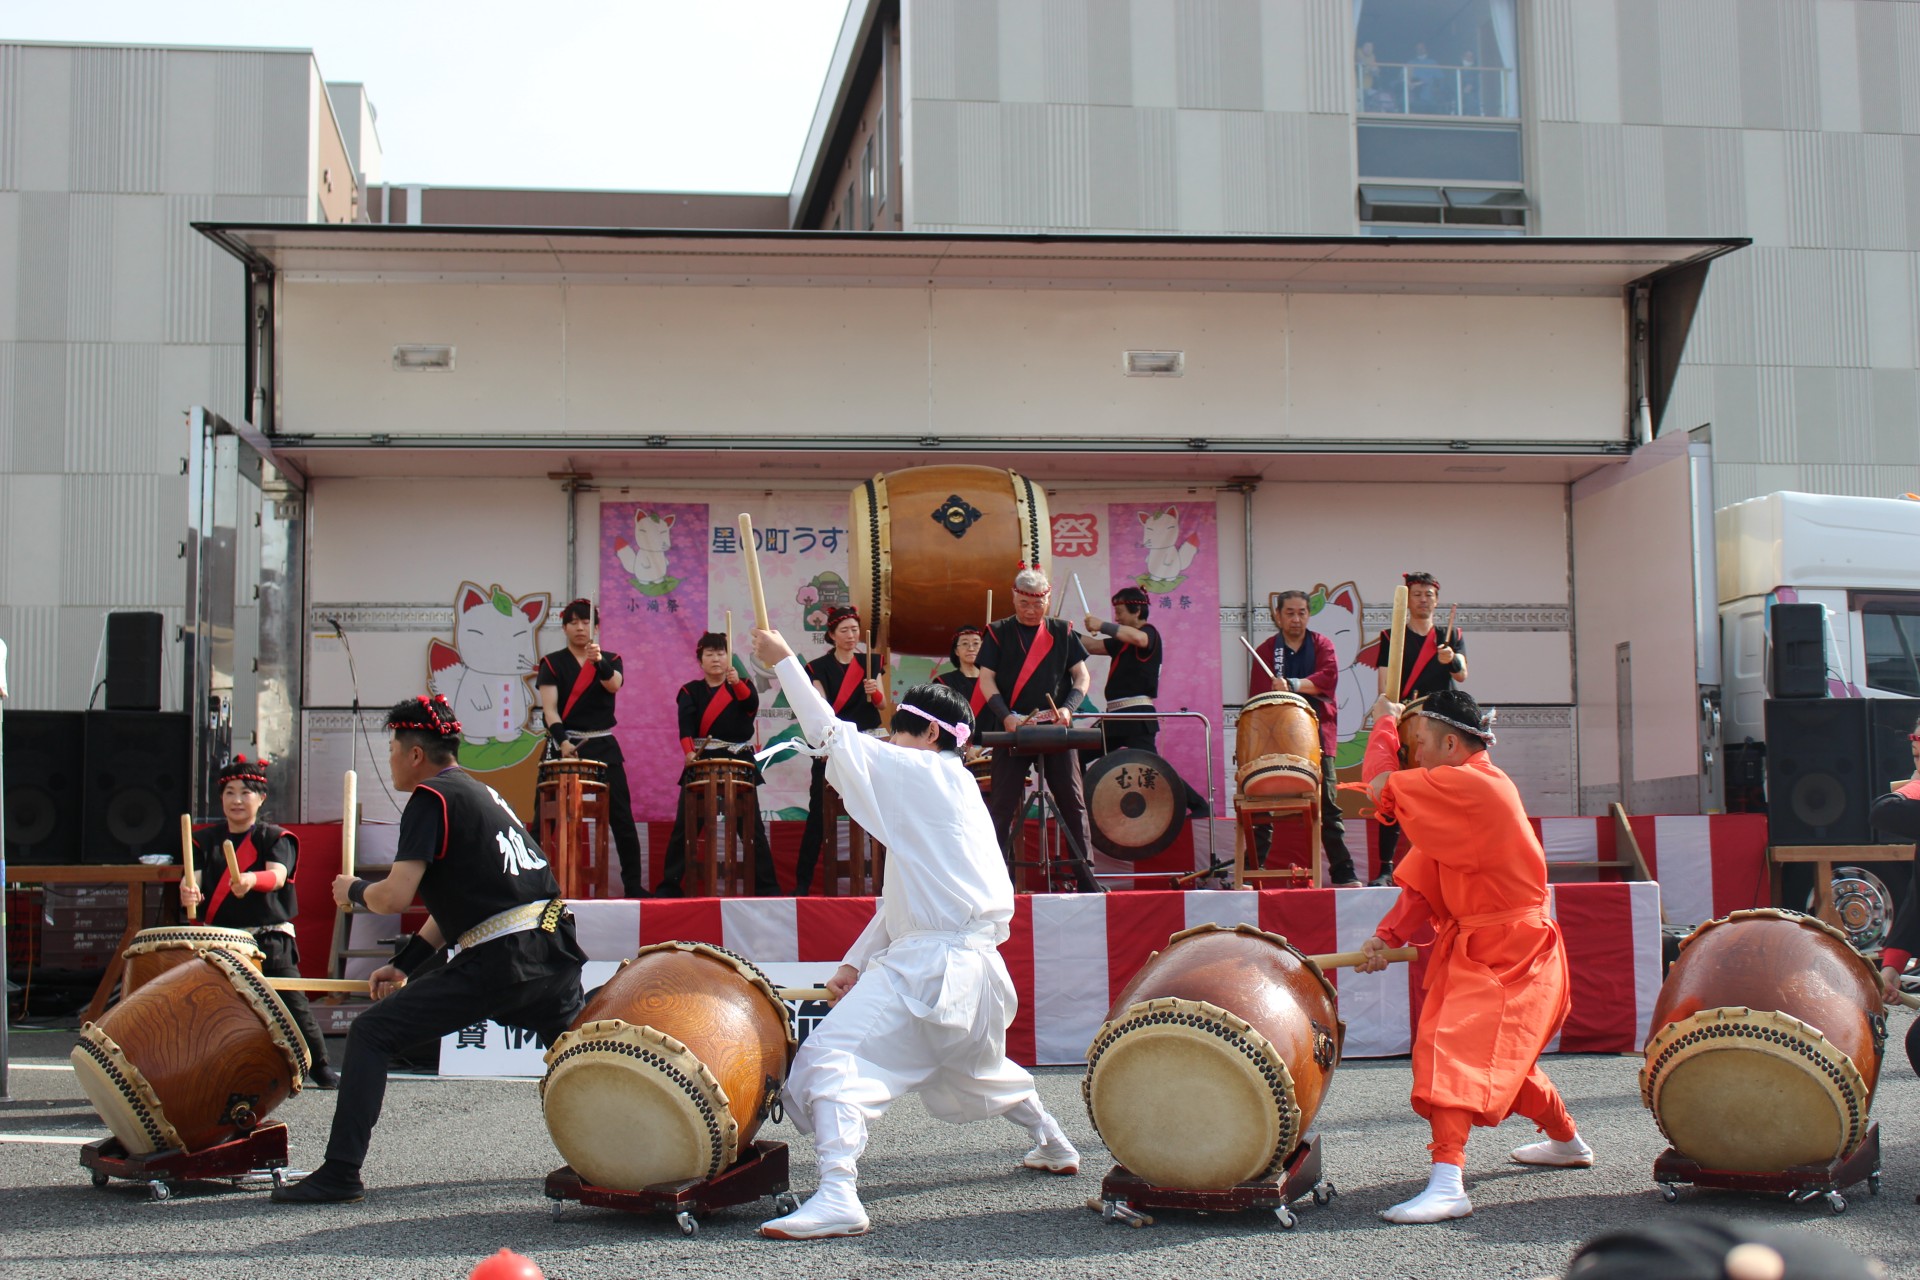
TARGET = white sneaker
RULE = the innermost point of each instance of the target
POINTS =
(1444, 1198)
(1575, 1154)
(1054, 1154)
(833, 1210)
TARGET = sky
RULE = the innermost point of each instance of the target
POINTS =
(677, 95)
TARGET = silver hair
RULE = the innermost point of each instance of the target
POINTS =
(1031, 580)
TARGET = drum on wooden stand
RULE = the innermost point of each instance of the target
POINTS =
(154, 951)
(197, 1056)
(668, 1072)
(1276, 746)
(723, 806)
(927, 544)
(1136, 804)
(570, 825)
(1214, 1060)
(981, 767)
(1766, 1044)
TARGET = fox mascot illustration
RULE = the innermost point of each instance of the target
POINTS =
(1168, 555)
(646, 557)
(484, 672)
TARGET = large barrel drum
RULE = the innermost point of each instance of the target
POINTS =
(1276, 746)
(669, 1070)
(1214, 1059)
(927, 544)
(154, 951)
(199, 1055)
(1766, 1044)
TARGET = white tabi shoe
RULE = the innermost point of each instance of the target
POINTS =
(1053, 1152)
(1556, 1154)
(833, 1210)
(1444, 1198)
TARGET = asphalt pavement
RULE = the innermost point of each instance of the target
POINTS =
(457, 1166)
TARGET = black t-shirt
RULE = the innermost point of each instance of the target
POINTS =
(831, 673)
(594, 711)
(1004, 649)
(962, 684)
(480, 860)
(1431, 678)
(1896, 815)
(255, 848)
(741, 703)
(1135, 672)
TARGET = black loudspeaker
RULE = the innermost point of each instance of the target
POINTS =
(1797, 660)
(133, 661)
(1817, 767)
(1890, 751)
(137, 778)
(45, 784)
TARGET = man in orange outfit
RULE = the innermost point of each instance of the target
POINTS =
(1497, 979)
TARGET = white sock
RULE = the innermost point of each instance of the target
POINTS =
(1444, 1198)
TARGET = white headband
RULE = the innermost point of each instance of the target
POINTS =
(960, 732)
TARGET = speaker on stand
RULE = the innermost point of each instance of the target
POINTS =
(46, 784)
(1817, 764)
(138, 766)
(134, 661)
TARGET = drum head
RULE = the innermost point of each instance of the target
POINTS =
(1188, 1096)
(121, 1094)
(629, 1107)
(1708, 1078)
(1136, 804)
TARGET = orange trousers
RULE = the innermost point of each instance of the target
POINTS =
(1538, 1101)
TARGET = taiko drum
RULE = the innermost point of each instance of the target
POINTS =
(1276, 746)
(154, 951)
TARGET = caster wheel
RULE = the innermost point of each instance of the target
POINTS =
(159, 1191)
(1668, 1193)
(1836, 1202)
(1873, 1183)
(1324, 1194)
(1287, 1219)
(100, 1179)
(688, 1225)
(785, 1203)
(279, 1178)
(556, 1208)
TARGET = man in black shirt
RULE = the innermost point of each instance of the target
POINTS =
(486, 886)
(716, 723)
(1030, 663)
(1133, 679)
(576, 686)
(263, 901)
(844, 680)
(1431, 662)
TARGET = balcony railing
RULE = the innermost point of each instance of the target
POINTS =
(1434, 89)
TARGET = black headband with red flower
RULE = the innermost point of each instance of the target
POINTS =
(428, 715)
(839, 614)
(241, 769)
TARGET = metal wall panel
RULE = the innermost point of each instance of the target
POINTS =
(11, 124)
(1556, 87)
(1699, 83)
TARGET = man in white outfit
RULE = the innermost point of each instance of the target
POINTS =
(922, 1001)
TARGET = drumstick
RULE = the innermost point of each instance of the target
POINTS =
(1446, 637)
(1084, 606)
(233, 868)
(349, 821)
(1908, 999)
(729, 644)
(1397, 644)
(753, 573)
(332, 986)
(1348, 959)
(1262, 661)
(989, 606)
(804, 993)
(186, 863)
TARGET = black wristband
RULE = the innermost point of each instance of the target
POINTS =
(610, 664)
(357, 893)
(413, 953)
(1110, 629)
(1075, 697)
(998, 709)
(558, 732)
(1458, 664)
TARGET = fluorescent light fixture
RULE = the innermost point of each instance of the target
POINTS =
(423, 359)
(1155, 364)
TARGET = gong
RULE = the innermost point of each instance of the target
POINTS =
(1136, 804)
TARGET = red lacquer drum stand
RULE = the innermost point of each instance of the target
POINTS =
(256, 1160)
(762, 1171)
(1799, 1184)
(1123, 1194)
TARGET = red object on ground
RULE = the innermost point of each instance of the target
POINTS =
(506, 1265)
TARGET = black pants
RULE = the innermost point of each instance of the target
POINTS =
(815, 833)
(1333, 831)
(626, 836)
(1062, 772)
(280, 958)
(1389, 841)
(472, 988)
(765, 883)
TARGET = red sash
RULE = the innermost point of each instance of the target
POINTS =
(978, 702)
(1420, 663)
(224, 885)
(722, 699)
(580, 683)
(849, 682)
(1041, 647)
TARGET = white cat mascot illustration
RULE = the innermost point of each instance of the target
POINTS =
(1167, 554)
(1339, 620)
(484, 672)
(646, 557)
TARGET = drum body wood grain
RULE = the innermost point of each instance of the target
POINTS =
(1214, 1060)
(927, 544)
(199, 1055)
(1766, 1044)
(669, 1070)
(1276, 746)
(154, 951)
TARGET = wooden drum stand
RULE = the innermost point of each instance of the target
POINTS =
(723, 812)
(862, 864)
(1271, 812)
(572, 825)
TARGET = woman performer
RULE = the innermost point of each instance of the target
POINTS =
(964, 679)
(923, 1000)
(843, 679)
(1898, 814)
(262, 901)
(1497, 978)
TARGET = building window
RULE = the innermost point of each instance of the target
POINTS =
(1892, 641)
(853, 205)
(1438, 152)
(1436, 58)
(1393, 209)
(870, 172)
